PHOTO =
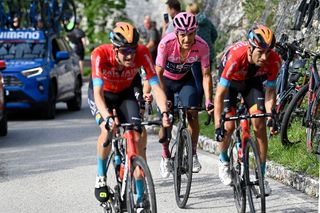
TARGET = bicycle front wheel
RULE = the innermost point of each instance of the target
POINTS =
(114, 183)
(136, 200)
(183, 168)
(239, 191)
(253, 177)
(294, 118)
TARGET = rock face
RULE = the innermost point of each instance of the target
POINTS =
(231, 17)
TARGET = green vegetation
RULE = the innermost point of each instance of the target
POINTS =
(254, 9)
(296, 157)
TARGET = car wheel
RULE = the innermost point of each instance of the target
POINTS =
(75, 103)
(4, 125)
(49, 111)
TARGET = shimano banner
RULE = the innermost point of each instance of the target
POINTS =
(22, 35)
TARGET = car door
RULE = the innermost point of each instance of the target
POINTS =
(62, 70)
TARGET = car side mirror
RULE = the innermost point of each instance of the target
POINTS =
(62, 55)
(2, 65)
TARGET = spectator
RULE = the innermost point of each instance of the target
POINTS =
(207, 32)
(173, 8)
(150, 36)
(16, 23)
(78, 38)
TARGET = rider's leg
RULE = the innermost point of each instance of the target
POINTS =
(102, 152)
(259, 128)
(193, 127)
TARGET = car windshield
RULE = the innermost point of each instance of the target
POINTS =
(22, 50)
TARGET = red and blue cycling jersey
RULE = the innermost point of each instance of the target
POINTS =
(106, 74)
(169, 56)
(235, 65)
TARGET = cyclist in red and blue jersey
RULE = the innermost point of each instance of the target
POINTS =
(114, 78)
(244, 68)
(177, 52)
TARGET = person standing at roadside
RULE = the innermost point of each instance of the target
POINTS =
(207, 31)
(78, 39)
(149, 36)
(173, 8)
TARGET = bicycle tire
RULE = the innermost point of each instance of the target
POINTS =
(68, 15)
(183, 166)
(114, 183)
(300, 15)
(149, 197)
(284, 103)
(239, 192)
(253, 177)
(294, 115)
(313, 134)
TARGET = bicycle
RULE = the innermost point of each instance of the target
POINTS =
(245, 168)
(181, 156)
(288, 80)
(123, 167)
(302, 111)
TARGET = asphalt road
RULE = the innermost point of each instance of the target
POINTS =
(49, 166)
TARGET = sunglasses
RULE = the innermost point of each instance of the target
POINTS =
(127, 50)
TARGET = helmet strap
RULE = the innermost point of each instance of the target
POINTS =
(251, 51)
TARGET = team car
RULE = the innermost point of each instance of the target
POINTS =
(41, 70)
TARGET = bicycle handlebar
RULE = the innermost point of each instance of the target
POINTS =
(273, 114)
(144, 123)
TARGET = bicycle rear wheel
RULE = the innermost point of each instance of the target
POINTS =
(294, 118)
(68, 15)
(239, 191)
(140, 169)
(253, 178)
(183, 168)
(313, 130)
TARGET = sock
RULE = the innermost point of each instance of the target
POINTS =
(101, 166)
(263, 168)
(194, 147)
(224, 156)
(140, 190)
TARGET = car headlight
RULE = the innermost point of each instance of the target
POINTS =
(32, 72)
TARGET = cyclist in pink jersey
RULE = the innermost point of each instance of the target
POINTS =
(244, 68)
(177, 52)
(114, 79)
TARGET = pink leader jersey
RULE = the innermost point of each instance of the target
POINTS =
(169, 59)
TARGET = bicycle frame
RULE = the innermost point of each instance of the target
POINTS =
(314, 84)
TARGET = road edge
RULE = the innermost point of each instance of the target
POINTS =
(300, 182)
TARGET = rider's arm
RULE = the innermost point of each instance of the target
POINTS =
(270, 99)
(207, 84)
(100, 102)
(218, 104)
(97, 80)
(159, 71)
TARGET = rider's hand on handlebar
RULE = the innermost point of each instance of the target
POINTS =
(219, 135)
(273, 127)
(148, 97)
(166, 120)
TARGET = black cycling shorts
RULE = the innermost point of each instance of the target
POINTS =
(186, 89)
(251, 90)
(125, 103)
